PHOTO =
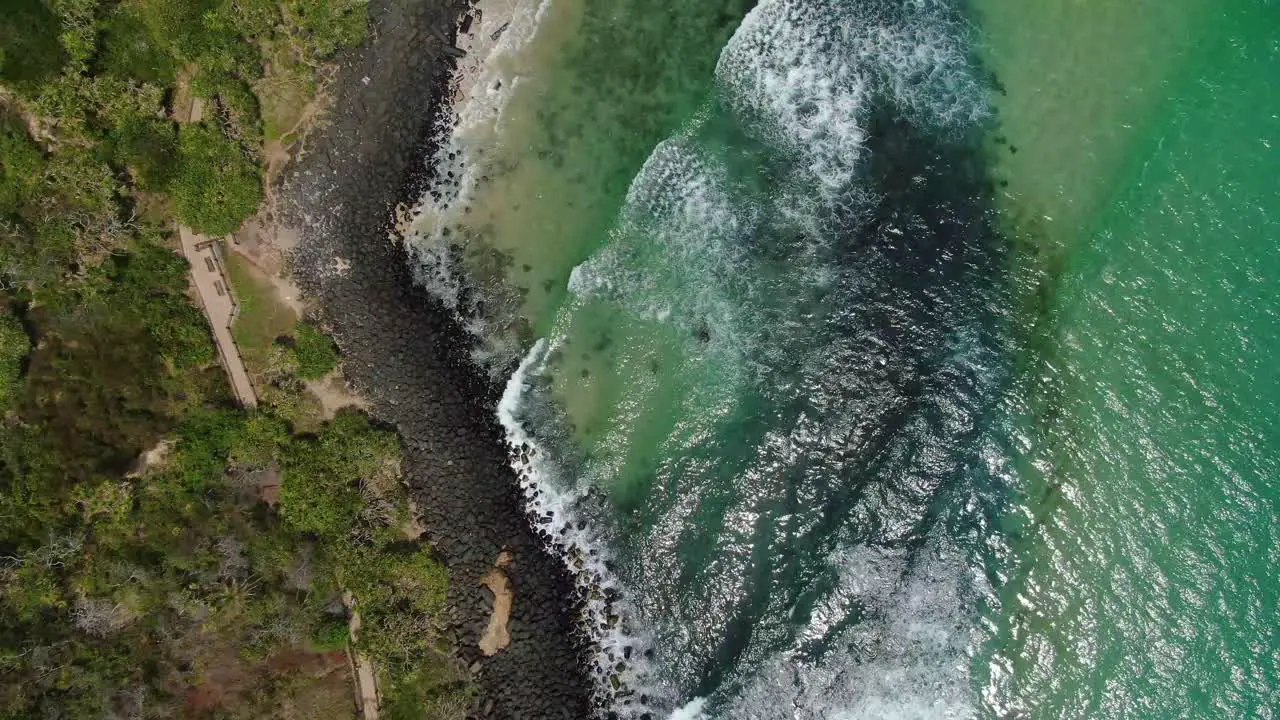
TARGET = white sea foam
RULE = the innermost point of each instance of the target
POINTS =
(692, 710)
(779, 70)
(803, 73)
(621, 670)
(906, 661)
(676, 256)
(482, 88)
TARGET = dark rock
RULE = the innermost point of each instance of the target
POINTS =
(405, 353)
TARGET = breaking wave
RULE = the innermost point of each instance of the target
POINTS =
(829, 392)
(762, 516)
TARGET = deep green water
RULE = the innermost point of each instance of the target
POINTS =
(892, 360)
(1142, 558)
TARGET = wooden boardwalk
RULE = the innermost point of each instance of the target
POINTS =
(209, 275)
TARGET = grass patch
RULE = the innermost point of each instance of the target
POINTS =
(273, 365)
(284, 94)
(263, 316)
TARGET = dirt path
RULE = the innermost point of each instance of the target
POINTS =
(367, 687)
(366, 678)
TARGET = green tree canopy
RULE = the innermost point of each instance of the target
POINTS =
(30, 49)
(149, 148)
(216, 187)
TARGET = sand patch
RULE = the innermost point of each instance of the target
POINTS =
(496, 636)
(151, 459)
(334, 394)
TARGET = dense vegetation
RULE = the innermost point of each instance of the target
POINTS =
(313, 351)
(181, 588)
(163, 553)
(97, 79)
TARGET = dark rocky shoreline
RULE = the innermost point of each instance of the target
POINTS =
(407, 356)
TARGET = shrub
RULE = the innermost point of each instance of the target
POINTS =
(30, 50)
(331, 635)
(86, 190)
(205, 440)
(14, 346)
(327, 25)
(148, 284)
(131, 50)
(216, 187)
(314, 351)
(21, 166)
(180, 23)
(317, 503)
(320, 491)
(149, 148)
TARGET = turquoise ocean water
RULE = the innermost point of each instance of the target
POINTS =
(888, 359)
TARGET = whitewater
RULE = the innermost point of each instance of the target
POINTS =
(809, 317)
(754, 495)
